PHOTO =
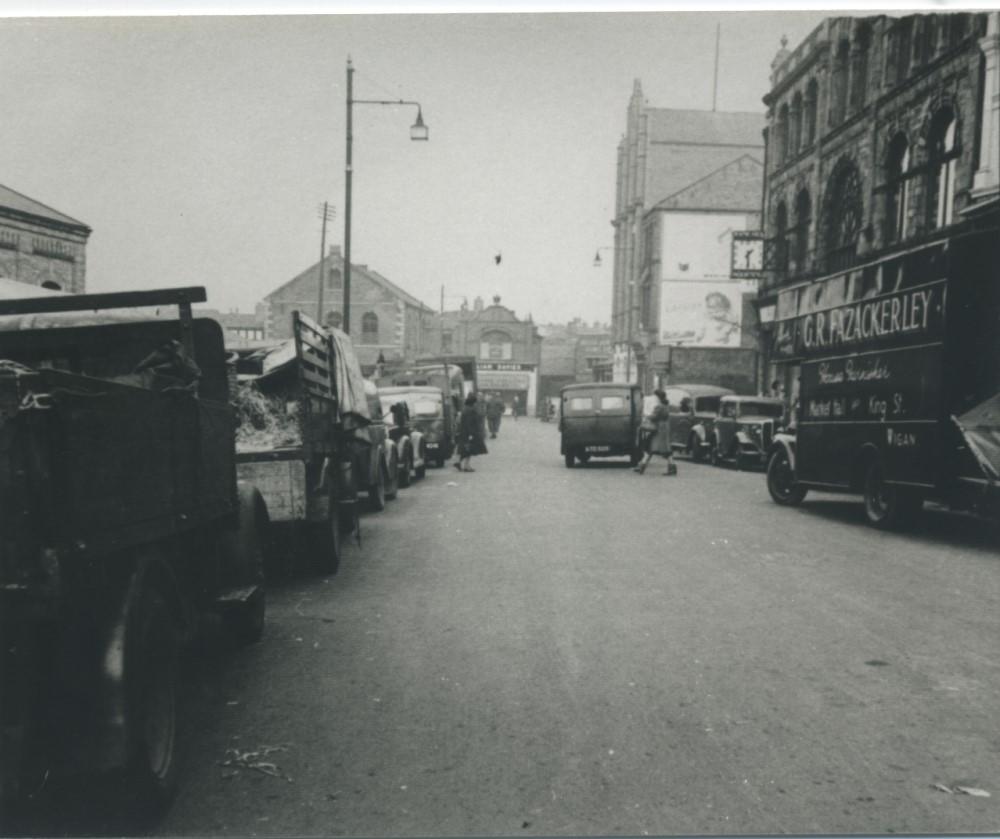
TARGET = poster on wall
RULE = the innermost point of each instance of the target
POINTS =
(701, 314)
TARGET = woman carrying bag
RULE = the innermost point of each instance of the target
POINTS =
(658, 440)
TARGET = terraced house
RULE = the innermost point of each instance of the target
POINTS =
(882, 135)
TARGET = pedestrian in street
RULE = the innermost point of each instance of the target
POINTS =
(659, 440)
(515, 406)
(470, 435)
(494, 413)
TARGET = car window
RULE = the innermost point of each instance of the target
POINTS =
(707, 404)
(581, 403)
(612, 403)
(761, 409)
(685, 405)
(729, 409)
(425, 406)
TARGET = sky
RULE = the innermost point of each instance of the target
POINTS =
(199, 149)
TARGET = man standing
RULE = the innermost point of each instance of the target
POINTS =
(494, 411)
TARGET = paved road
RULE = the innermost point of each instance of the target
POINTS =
(536, 650)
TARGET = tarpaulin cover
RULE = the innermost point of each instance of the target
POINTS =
(350, 382)
(981, 428)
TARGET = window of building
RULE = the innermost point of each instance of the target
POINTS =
(902, 47)
(781, 238)
(803, 221)
(795, 125)
(843, 208)
(809, 116)
(838, 83)
(781, 135)
(496, 346)
(897, 189)
(941, 162)
(646, 305)
(446, 340)
(334, 279)
(369, 328)
(334, 319)
(928, 37)
(859, 67)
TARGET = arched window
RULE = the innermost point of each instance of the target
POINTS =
(781, 135)
(859, 66)
(942, 156)
(495, 345)
(369, 328)
(897, 189)
(838, 92)
(809, 118)
(843, 208)
(781, 239)
(795, 125)
(803, 221)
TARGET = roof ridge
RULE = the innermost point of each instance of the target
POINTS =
(59, 215)
(711, 174)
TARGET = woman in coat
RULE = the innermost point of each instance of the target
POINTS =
(470, 434)
(659, 442)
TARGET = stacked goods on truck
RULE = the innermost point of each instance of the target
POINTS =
(123, 523)
(302, 413)
(899, 368)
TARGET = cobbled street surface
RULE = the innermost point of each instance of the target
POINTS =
(536, 650)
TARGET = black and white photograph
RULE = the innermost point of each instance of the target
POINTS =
(550, 420)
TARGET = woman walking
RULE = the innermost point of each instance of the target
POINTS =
(470, 435)
(659, 440)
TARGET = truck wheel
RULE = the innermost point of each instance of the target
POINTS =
(569, 459)
(151, 703)
(392, 479)
(781, 481)
(325, 541)
(376, 494)
(887, 505)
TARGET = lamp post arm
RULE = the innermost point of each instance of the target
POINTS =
(384, 102)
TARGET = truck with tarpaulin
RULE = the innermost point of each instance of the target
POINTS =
(122, 525)
(898, 365)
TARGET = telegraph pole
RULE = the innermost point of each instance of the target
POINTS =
(326, 213)
(347, 199)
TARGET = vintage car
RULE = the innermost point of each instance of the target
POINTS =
(744, 429)
(431, 415)
(378, 464)
(693, 409)
(600, 419)
(398, 406)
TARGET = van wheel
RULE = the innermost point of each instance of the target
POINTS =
(887, 505)
(781, 481)
(569, 459)
(151, 653)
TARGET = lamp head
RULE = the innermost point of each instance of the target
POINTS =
(418, 131)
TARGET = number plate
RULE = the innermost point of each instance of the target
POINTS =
(597, 449)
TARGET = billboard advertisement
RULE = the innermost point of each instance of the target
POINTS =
(701, 314)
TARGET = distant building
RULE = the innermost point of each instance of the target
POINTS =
(883, 133)
(686, 181)
(507, 349)
(386, 321)
(241, 329)
(41, 246)
(571, 353)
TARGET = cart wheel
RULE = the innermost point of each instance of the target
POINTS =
(151, 651)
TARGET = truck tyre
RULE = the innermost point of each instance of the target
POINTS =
(569, 458)
(325, 542)
(887, 505)
(376, 493)
(243, 554)
(781, 481)
(392, 477)
(151, 652)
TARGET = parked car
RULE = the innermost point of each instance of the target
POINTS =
(600, 420)
(744, 429)
(380, 478)
(411, 446)
(693, 409)
(431, 415)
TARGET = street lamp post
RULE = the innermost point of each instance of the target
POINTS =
(628, 312)
(418, 131)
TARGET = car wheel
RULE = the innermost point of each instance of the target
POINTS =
(392, 479)
(695, 449)
(887, 505)
(406, 470)
(584, 459)
(569, 457)
(714, 454)
(376, 493)
(781, 480)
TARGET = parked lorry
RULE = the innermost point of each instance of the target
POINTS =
(299, 422)
(123, 524)
(898, 361)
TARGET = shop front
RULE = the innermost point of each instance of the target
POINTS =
(510, 379)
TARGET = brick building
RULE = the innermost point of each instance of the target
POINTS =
(507, 349)
(882, 132)
(386, 321)
(685, 181)
(41, 246)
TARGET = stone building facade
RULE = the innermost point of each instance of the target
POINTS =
(696, 158)
(386, 321)
(41, 246)
(882, 132)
